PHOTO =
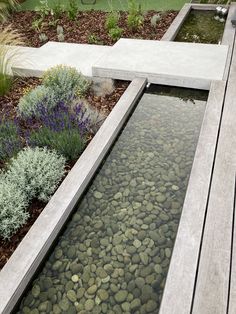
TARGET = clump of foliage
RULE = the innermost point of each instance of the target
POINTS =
(94, 39)
(66, 82)
(112, 20)
(155, 20)
(10, 142)
(5, 7)
(30, 103)
(43, 38)
(72, 9)
(115, 33)
(8, 56)
(135, 17)
(63, 129)
(13, 203)
(36, 172)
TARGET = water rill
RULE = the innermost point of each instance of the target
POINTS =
(114, 253)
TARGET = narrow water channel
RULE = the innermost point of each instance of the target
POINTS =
(202, 26)
(114, 255)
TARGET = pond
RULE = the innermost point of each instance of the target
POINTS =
(202, 26)
(114, 254)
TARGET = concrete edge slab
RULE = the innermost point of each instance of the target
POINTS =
(171, 80)
(184, 261)
(26, 259)
(177, 23)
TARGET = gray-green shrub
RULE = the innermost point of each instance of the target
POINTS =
(36, 172)
(12, 208)
(29, 104)
(66, 82)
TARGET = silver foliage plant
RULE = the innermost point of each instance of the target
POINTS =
(66, 82)
(36, 172)
(13, 204)
(29, 104)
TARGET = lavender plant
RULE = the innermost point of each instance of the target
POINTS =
(30, 103)
(63, 129)
(10, 141)
(66, 82)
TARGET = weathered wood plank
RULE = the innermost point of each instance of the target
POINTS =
(211, 295)
(177, 297)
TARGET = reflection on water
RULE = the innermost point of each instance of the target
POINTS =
(114, 255)
(202, 27)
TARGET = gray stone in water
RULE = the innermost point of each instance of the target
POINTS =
(144, 258)
(89, 304)
(97, 195)
(121, 296)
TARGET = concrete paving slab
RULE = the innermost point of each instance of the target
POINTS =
(162, 62)
(81, 56)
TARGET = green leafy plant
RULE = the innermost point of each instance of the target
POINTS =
(8, 56)
(155, 20)
(13, 204)
(72, 10)
(30, 103)
(66, 82)
(68, 142)
(37, 25)
(58, 9)
(135, 17)
(36, 172)
(10, 141)
(94, 39)
(43, 10)
(112, 20)
(115, 33)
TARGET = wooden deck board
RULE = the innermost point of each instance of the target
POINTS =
(185, 255)
(211, 295)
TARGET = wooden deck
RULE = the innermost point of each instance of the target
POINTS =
(202, 274)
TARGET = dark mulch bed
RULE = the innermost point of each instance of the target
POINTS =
(8, 106)
(87, 23)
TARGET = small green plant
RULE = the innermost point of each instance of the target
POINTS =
(112, 20)
(13, 204)
(115, 33)
(37, 25)
(36, 172)
(135, 17)
(8, 56)
(72, 10)
(30, 103)
(155, 20)
(66, 82)
(10, 141)
(43, 10)
(68, 143)
(60, 33)
(58, 9)
(93, 39)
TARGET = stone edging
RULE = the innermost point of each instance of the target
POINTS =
(21, 267)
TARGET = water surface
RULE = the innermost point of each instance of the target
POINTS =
(114, 255)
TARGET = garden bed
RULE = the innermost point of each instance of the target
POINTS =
(87, 28)
(8, 105)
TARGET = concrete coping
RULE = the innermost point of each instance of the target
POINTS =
(24, 262)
